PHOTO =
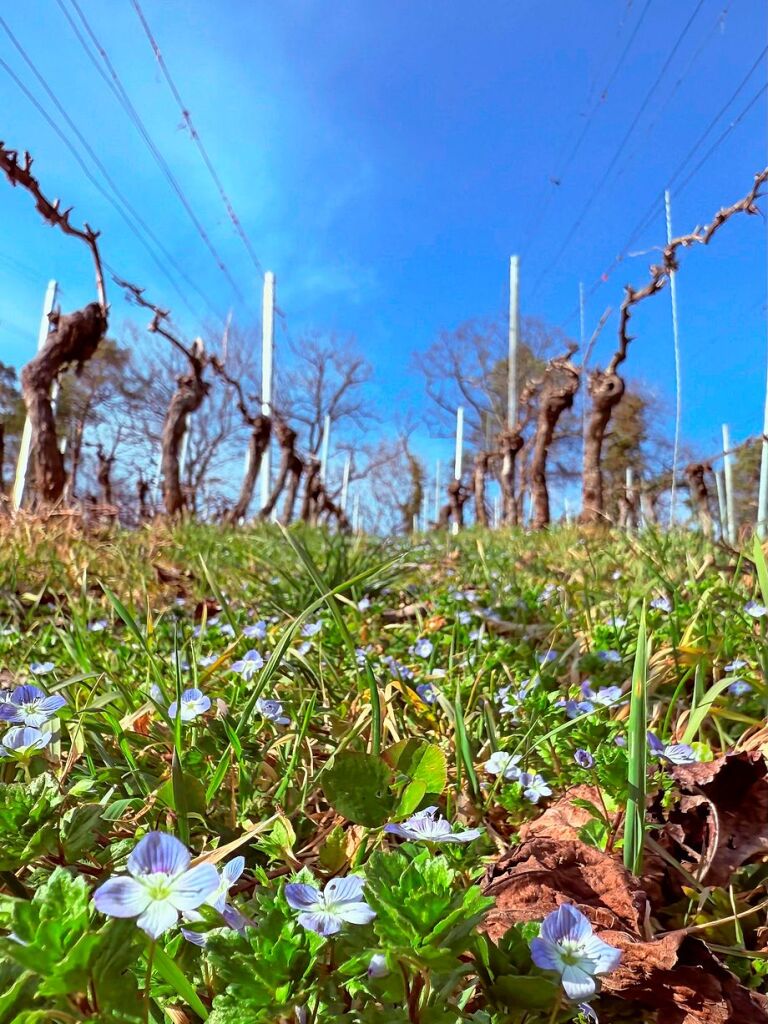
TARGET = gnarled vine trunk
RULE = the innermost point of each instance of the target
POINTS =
(190, 392)
(261, 429)
(510, 443)
(313, 489)
(695, 475)
(606, 389)
(479, 473)
(73, 339)
(561, 382)
(287, 439)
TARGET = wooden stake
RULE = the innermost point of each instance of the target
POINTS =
(437, 491)
(267, 374)
(728, 469)
(514, 339)
(345, 483)
(325, 448)
(22, 464)
(458, 461)
(721, 505)
(678, 381)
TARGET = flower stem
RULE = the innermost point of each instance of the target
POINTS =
(148, 981)
(556, 1008)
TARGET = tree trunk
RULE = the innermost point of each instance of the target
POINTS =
(606, 390)
(510, 443)
(295, 469)
(261, 429)
(73, 339)
(312, 491)
(104, 476)
(695, 474)
(142, 493)
(190, 392)
(560, 386)
(76, 451)
(479, 473)
(457, 497)
(287, 440)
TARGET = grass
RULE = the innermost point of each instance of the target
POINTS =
(522, 632)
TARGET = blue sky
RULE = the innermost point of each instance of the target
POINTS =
(386, 158)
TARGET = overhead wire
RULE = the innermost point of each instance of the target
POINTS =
(115, 84)
(619, 150)
(195, 135)
(126, 210)
(540, 208)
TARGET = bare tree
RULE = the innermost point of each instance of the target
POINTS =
(327, 379)
(606, 387)
(73, 338)
(559, 385)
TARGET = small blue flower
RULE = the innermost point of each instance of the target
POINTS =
(304, 648)
(612, 657)
(230, 873)
(256, 631)
(504, 764)
(341, 902)
(427, 692)
(364, 604)
(21, 742)
(227, 630)
(397, 670)
(739, 687)
(574, 708)
(662, 604)
(311, 628)
(429, 826)
(378, 967)
(28, 705)
(757, 611)
(193, 704)
(208, 625)
(607, 695)
(735, 665)
(583, 758)
(534, 787)
(672, 753)
(208, 659)
(545, 659)
(568, 946)
(159, 885)
(98, 626)
(41, 668)
(464, 618)
(272, 710)
(422, 648)
(248, 665)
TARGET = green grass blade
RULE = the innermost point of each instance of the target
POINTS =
(634, 828)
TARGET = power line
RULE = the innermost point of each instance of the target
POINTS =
(617, 153)
(653, 209)
(127, 210)
(540, 208)
(116, 86)
(198, 141)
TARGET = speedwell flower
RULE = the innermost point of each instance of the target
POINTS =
(272, 710)
(41, 668)
(567, 945)
(28, 705)
(583, 758)
(534, 786)
(739, 687)
(422, 648)
(22, 741)
(672, 753)
(193, 703)
(159, 885)
(427, 692)
(230, 873)
(662, 604)
(248, 665)
(429, 826)
(310, 628)
(504, 764)
(341, 901)
(257, 631)
(757, 611)
(98, 626)
(735, 665)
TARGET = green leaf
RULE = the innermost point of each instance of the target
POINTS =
(28, 822)
(175, 977)
(637, 747)
(419, 761)
(358, 787)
